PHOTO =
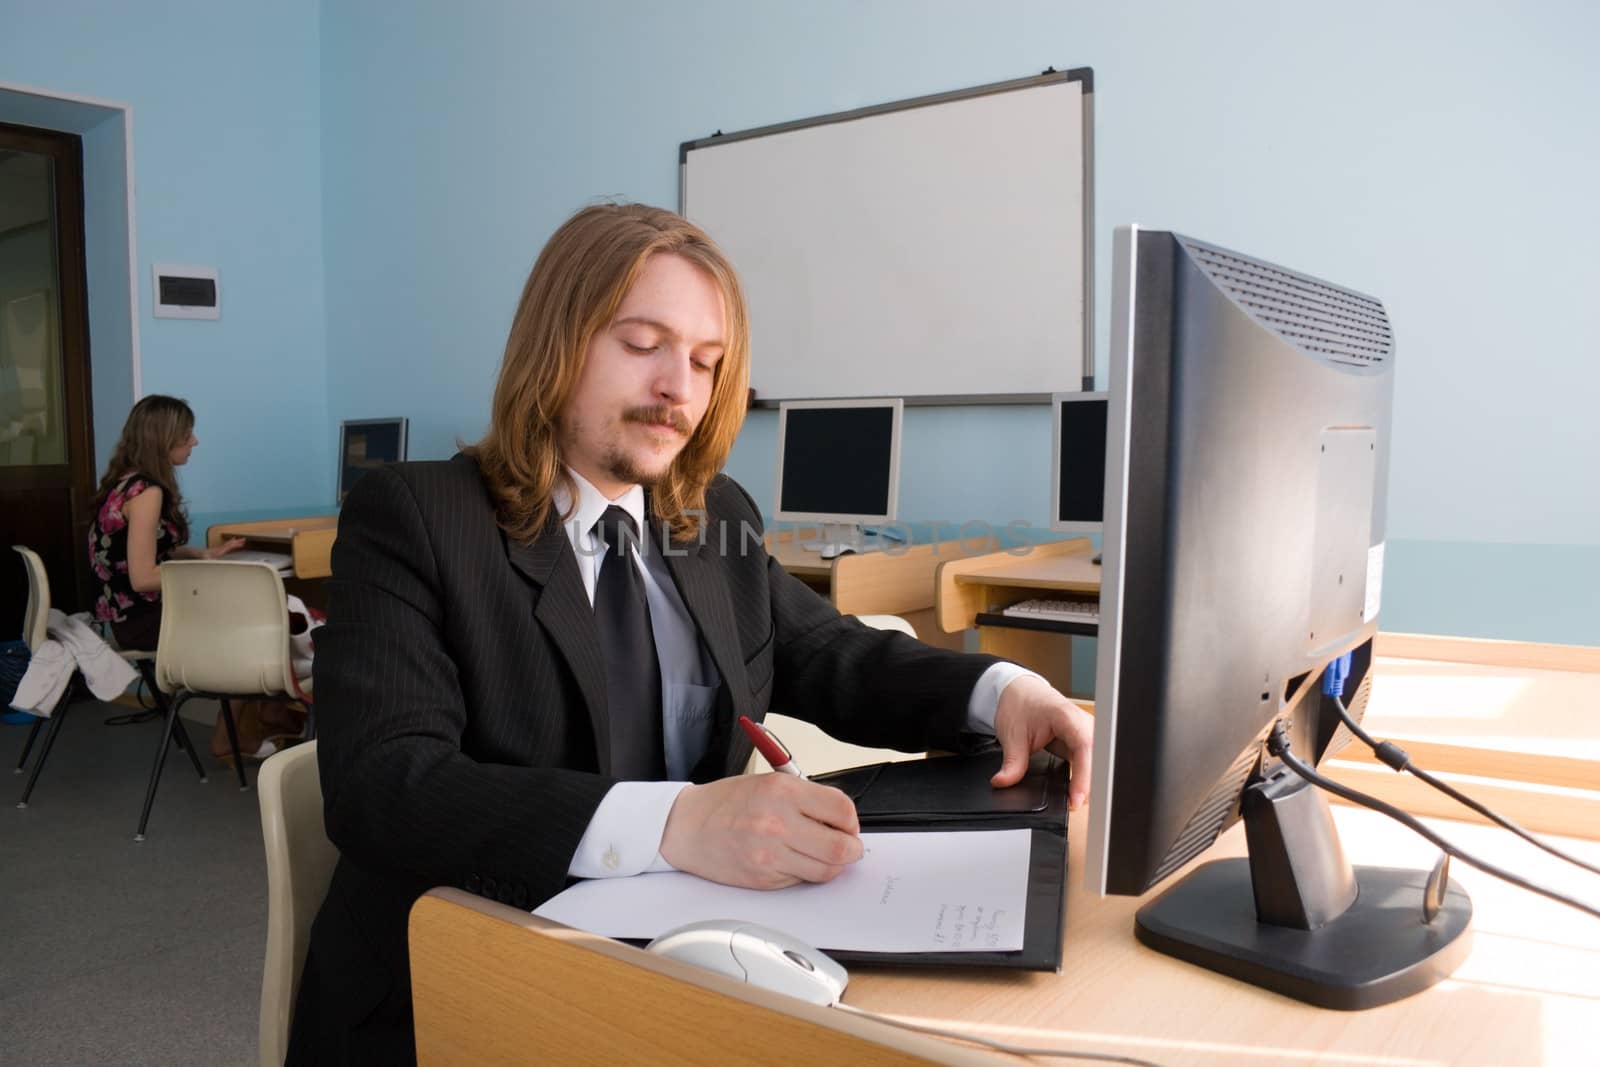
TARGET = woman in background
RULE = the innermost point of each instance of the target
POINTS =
(140, 521)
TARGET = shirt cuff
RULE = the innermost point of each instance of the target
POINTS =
(624, 837)
(985, 699)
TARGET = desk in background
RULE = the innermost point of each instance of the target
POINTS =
(1511, 723)
(308, 541)
(899, 581)
(980, 585)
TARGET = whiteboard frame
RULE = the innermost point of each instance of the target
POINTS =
(1084, 75)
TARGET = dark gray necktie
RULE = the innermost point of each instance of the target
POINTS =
(633, 672)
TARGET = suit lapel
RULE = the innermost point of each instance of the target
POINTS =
(563, 609)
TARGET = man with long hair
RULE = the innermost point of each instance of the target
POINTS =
(536, 652)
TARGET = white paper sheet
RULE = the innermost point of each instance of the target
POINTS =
(957, 891)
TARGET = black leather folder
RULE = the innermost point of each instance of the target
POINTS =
(953, 793)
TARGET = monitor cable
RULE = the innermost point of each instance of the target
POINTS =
(1002, 1046)
(1278, 745)
(1397, 759)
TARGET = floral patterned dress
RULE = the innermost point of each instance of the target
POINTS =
(134, 616)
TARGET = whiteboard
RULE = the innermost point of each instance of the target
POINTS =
(938, 249)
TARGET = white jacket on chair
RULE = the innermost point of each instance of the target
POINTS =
(72, 645)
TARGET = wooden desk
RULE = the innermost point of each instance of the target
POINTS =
(308, 540)
(979, 584)
(494, 985)
(895, 582)
(898, 581)
(1512, 723)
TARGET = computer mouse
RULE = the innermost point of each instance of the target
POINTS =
(758, 955)
(835, 551)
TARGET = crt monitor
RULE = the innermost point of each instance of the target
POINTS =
(839, 464)
(1078, 462)
(365, 444)
(1244, 539)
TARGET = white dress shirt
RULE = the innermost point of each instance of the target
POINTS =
(624, 836)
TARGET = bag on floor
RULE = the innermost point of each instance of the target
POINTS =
(264, 726)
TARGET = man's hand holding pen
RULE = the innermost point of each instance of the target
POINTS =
(762, 831)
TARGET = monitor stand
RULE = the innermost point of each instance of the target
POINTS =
(1298, 919)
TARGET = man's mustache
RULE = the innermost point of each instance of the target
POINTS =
(671, 416)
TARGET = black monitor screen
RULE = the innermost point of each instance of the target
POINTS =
(837, 461)
(1081, 490)
(366, 445)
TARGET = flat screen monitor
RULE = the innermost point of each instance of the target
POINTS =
(365, 444)
(1078, 463)
(838, 460)
(1243, 548)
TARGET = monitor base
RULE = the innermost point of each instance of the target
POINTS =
(835, 549)
(850, 537)
(1376, 952)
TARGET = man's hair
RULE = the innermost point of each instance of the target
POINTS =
(156, 425)
(573, 291)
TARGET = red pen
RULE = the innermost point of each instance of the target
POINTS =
(770, 747)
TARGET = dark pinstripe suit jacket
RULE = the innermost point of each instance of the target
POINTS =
(461, 712)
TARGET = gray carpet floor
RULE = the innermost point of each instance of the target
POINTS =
(117, 952)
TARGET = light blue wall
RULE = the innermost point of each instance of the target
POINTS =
(373, 180)
(226, 105)
(105, 223)
(1442, 156)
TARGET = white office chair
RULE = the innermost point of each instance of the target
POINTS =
(224, 634)
(35, 631)
(34, 618)
(300, 861)
(819, 753)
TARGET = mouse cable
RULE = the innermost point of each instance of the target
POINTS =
(1015, 1050)
(1278, 745)
(1396, 758)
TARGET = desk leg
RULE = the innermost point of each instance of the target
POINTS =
(1038, 650)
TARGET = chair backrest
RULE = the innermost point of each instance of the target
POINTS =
(37, 613)
(814, 750)
(300, 861)
(888, 622)
(224, 628)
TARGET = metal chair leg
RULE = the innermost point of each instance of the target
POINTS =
(180, 737)
(233, 740)
(161, 759)
(59, 717)
(311, 720)
(27, 746)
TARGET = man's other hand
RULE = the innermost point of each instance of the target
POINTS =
(762, 831)
(1031, 715)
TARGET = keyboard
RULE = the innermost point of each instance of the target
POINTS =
(282, 561)
(1057, 609)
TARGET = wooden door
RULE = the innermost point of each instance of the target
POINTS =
(47, 473)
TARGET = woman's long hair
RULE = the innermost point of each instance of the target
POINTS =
(574, 290)
(156, 425)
